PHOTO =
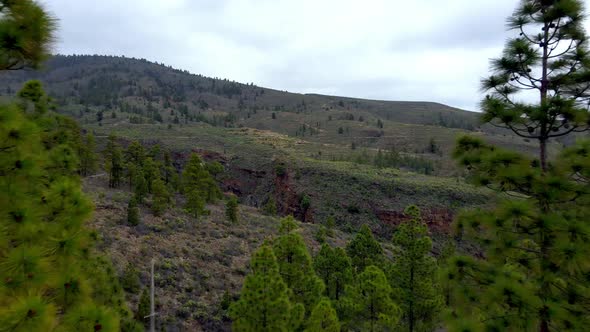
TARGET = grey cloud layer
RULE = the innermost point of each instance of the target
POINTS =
(385, 49)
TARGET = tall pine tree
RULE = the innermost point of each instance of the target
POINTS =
(335, 268)
(364, 250)
(295, 265)
(413, 275)
(323, 318)
(264, 304)
(113, 159)
(368, 305)
(533, 276)
(46, 257)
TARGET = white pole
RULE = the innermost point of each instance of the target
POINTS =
(152, 307)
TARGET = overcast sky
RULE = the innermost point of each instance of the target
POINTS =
(431, 50)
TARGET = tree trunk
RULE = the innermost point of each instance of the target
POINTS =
(543, 154)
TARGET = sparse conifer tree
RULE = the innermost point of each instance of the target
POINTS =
(413, 275)
(323, 318)
(295, 265)
(264, 304)
(335, 268)
(364, 250)
(132, 212)
(534, 273)
(113, 161)
(88, 157)
(367, 305)
(160, 197)
(231, 209)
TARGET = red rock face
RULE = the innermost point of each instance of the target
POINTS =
(437, 220)
(288, 200)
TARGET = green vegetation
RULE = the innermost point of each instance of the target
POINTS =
(364, 250)
(412, 275)
(199, 187)
(368, 304)
(295, 266)
(533, 276)
(264, 301)
(172, 144)
(231, 209)
(323, 318)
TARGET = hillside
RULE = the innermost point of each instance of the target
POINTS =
(359, 161)
(94, 89)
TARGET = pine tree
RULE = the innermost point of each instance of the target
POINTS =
(195, 203)
(330, 225)
(295, 265)
(143, 306)
(113, 161)
(533, 275)
(140, 188)
(170, 174)
(160, 197)
(364, 250)
(335, 269)
(550, 58)
(130, 279)
(51, 277)
(88, 157)
(151, 172)
(132, 212)
(368, 305)
(413, 275)
(196, 176)
(46, 256)
(323, 318)
(264, 304)
(27, 32)
(135, 154)
(231, 209)
(445, 273)
(270, 208)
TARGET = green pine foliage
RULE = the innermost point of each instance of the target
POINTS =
(150, 172)
(27, 34)
(143, 306)
(46, 253)
(195, 203)
(413, 276)
(140, 187)
(160, 197)
(535, 242)
(130, 279)
(364, 250)
(113, 158)
(536, 246)
(132, 212)
(170, 174)
(295, 265)
(270, 208)
(198, 186)
(88, 157)
(368, 305)
(335, 269)
(231, 209)
(135, 154)
(550, 57)
(445, 274)
(323, 318)
(330, 225)
(264, 304)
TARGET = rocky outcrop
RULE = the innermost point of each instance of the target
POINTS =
(437, 219)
